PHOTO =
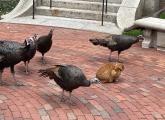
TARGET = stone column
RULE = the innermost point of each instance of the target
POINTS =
(160, 41)
(147, 38)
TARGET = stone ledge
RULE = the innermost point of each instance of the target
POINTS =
(154, 32)
(151, 23)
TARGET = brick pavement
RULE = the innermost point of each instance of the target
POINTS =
(139, 94)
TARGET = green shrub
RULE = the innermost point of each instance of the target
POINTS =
(134, 32)
(7, 5)
(162, 16)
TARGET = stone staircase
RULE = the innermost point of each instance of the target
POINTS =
(80, 9)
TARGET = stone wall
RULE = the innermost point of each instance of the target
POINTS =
(151, 6)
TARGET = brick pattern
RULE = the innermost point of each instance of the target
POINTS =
(139, 94)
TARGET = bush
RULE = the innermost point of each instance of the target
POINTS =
(134, 32)
(162, 16)
(7, 5)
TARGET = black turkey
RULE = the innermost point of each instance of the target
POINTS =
(31, 52)
(44, 44)
(117, 42)
(68, 77)
(11, 53)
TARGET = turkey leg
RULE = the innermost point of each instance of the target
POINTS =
(43, 60)
(62, 96)
(1, 81)
(17, 83)
(70, 100)
(26, 67)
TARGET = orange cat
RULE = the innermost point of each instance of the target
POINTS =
(109, 72)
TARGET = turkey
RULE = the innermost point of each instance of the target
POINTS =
(44, 44)
(68, 77)
(117, 42)
(31, 52)
(11, 53)
(109, 72)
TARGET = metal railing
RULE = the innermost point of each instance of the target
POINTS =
(104, 6)
(50, 5)
(104, 9)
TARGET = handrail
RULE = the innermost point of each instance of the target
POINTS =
(33, 12)
(102, 14)
(33, 8)
(50, 3)
(106, 6)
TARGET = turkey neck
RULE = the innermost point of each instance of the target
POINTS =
(87, 83)
(50, 36)
(136, 40)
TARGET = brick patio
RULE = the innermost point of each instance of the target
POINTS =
(139, 94)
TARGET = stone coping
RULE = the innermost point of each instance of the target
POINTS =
(151, 23)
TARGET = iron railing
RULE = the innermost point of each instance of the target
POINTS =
(104, 6)
(104, 9)
(50, 5)
(33, 8)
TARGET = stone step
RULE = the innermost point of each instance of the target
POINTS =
(75, 13)
(109, 1)
(84, 5)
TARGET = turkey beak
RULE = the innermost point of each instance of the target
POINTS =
(27, 42)
(35, 37)
(96, 81)
(94, 41)
(141, 38)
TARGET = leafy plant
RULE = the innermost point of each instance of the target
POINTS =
(7, 5)
(162, 16)
(134, 32)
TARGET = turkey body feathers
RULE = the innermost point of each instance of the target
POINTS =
(68, 77)
(44, 43)
(117, 42)
(12, 53)
(123, 42)
(73, 77)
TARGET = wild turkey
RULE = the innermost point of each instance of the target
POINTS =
(109, 72)
(31, 52)
(68, 77)
(117, 42)
(11, 53)
(44, 44)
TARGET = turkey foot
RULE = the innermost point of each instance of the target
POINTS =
(43, 60)
(72, 103)
(62, 96)
(3, 83)
(70, 100)
(62, 99)
(18, 83)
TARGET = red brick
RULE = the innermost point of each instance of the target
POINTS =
(138, 94)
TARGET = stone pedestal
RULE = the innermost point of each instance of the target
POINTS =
(147, 41)
(154, 39)
(160, 41)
